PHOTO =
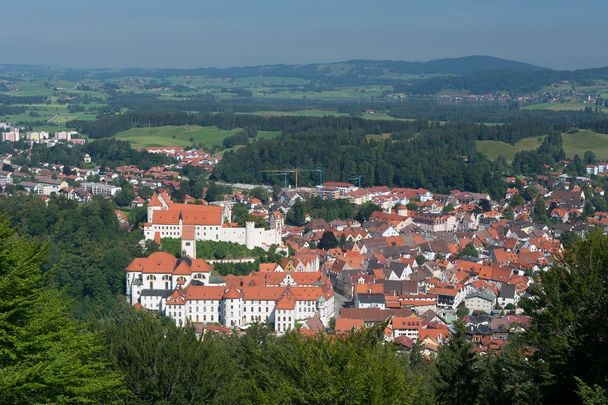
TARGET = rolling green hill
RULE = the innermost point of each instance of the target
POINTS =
(573, 143)
(493, 149)
(584, 140)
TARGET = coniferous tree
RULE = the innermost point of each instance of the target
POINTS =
(569, 311)
(295, 216)
(44, 355)
(457, 380)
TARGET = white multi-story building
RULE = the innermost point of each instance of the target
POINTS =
(183, 290)
(101, 189)
(435, 222)
(208, 222)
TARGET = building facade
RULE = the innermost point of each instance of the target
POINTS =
(209, 222)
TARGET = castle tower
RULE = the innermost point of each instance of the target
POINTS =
(189, 241)
(232, 300)
(277, 222)
(250, 235)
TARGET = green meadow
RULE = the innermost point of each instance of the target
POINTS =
(574, 143)
(182, 135)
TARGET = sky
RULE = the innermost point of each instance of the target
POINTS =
(218, 33)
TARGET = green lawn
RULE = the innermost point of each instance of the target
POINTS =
(493, 149)
(182, 135)
(584, 140)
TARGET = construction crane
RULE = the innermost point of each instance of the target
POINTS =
(358, 178)
(280, 174)
(283, 172)
(320, 171)
(296, 172)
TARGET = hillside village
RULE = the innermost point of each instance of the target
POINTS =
(418, 262)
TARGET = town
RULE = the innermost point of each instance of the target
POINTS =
(416, 262)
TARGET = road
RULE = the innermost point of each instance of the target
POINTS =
(338, 302)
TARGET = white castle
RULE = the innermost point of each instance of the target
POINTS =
(183, 289)
(167, 219)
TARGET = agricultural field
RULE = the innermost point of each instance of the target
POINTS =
(566, 106)
(325, 113)
(301, 113)
(183, 135)
(493, 149)
(584, 140)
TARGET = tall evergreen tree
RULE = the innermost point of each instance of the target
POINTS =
(457, 380)
(569, 330)
(44, 355)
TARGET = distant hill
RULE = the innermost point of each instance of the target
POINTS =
(477, 74)
(453, 66)
(361, 67)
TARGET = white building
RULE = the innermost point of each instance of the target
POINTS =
(208, 222)
(101, 189)
(182, 289)
(482, 301)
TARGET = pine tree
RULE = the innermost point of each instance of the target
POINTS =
(328, 241)
(295, 216)
(457, 373)
(569, 311)
(44, 355)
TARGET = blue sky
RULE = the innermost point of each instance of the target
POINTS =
(190, 33)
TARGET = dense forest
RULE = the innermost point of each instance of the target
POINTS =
(87, 250)
(105, 152)
(414, 153)
(131, 356)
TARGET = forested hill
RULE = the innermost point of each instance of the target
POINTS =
(360, 67)
(439, 157)
(476, 74)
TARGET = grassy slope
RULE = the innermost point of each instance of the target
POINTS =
(574, 143)
(493, 149)
(584, 140)
(180, 135)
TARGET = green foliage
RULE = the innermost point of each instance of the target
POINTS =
(240, 215)
(420, 260)
(517, 200)
(216, 192)
(44, 355)
(106, 152)
(567, 238)
(164, 363)
(569, 312)
(329, 209)
(441, 159)
(595, 395)
(366, 210)
(125, 196)
(260, 193)
(539, 212)
(328, 241)
(458, 371)
(237, 269)
(87, 250)
(208, 249)
(468, 250)
(295, 215)
(508, 378)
